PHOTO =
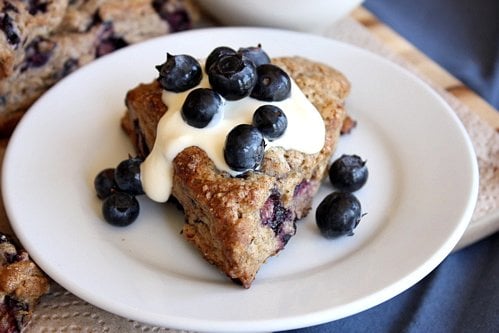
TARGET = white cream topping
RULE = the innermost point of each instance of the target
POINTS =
(305, 133)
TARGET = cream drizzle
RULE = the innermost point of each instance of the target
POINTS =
(305, 133)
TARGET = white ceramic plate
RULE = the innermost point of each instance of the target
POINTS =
(419, 197)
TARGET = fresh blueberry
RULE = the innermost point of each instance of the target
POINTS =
(104, 183)
(273, 84)
(179, 73)
(256, 54)
(200, 106)
(244, 148)
(232, 76)
(348, 173)
(338, 214)
(127, 176)
(216, 54)
(270, 120)
(120, 209)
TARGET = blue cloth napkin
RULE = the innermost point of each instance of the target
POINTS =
(460, 35)
(460, 295)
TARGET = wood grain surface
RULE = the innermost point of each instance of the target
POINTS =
(400, 46)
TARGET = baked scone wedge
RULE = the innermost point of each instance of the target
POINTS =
(237, 223)
(43, 41)
(22, 284)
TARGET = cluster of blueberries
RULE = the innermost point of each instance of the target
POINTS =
(340, 212)
(233, 75)
(118, 188)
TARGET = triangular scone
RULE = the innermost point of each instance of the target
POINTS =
(237, 223)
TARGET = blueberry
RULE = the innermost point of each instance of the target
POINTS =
(200, 106)
(244, 148)
(232, 76)
(127, 176)
(104, 183)
(8, 27)
(109, 45)
(270, 120)
(338, 214)
(69, 66)
(279, 218)
(37, 6)
(216, 54)
(176, 15)
(256, 54)
(179, 73)
(348, 173)
(38, 53)
(120, 209)
(108, 41)
(272, 84)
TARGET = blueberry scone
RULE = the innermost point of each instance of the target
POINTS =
(241, 192)
(41, 41)
(21, 286)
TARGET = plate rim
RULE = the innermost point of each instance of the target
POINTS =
(309, 319)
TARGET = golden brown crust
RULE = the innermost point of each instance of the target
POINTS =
(22, 284)
(144, 97)
(232, 220)
(24, 280)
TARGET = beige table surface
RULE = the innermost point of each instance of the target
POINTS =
(61, 311)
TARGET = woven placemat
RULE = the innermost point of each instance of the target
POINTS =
(61, 311)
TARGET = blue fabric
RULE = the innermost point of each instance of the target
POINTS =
(460, 35)
(462, 293)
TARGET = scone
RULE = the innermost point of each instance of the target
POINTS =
(21, 286)
(43, 41)
(237, 223)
